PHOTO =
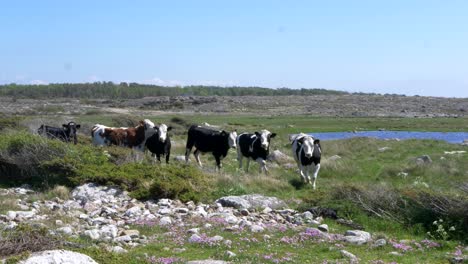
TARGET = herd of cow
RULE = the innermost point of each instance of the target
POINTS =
(146, 135)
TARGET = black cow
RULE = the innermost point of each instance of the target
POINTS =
(307, 152)
(160, 143)
(64, 133)
(254, 146)
(208, 140)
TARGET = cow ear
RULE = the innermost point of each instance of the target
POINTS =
(317, 141)
(223, 133)
(273, 135)
(156, 128)
(169, 128)
(65, 125)
(78, 126)
(257, 134)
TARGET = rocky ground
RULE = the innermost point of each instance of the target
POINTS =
(319, 105)
(109, 216)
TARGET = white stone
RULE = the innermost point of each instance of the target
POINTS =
(65, 230)
(93, 234)
(108, 231)
(164, 211)
(256, 229)
(118, 249)
(323, 227)
(58, 257)
(166, 220)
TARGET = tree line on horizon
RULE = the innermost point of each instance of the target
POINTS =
(110, 90)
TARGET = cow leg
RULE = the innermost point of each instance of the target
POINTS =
(197, 157)
(262, 165)
(239, 158)
(316, 170)
(167, 157)
(302, 169)
(187, 154)
(158, 156)
(218, 162)
(247, 165)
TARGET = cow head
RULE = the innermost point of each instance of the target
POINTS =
(41, 130)
(231, 138)
(162, 131)
(265, 137)
(307, 146)
(149, 127)
(70, 130)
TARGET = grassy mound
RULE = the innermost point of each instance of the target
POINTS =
(44, 163)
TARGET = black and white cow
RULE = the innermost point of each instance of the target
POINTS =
(208, 140)
(160, 143)
(65, 133)
(254, 146)
(307, 153)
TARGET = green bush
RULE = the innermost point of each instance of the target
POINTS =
(45, 163)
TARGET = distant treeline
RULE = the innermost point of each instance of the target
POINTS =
(110, 90)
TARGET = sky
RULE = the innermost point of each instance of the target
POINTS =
(415, 47)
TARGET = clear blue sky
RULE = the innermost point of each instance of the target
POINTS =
(398, 46)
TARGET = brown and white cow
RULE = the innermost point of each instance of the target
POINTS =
(132, 137)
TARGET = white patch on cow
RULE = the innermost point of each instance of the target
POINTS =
(149, 128)
(162, 129)
(96, 133)
(232, 139)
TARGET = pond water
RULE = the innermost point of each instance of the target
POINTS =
(451, 137)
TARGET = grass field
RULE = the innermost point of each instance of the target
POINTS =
(389, 180)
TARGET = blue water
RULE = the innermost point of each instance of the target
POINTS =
(451, 137)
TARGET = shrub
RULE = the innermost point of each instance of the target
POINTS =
(25, 238)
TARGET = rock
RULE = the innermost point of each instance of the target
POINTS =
(193, 231)
(352, 258)
(131, 232)
(195, 238)
(244, 212)
(357, 237)
(11, 215)
(118, 249)
(279, 157)
(232, 219)
(133, 211)
(323, 228)
(394, 253)
(166, 220)
(164, 211)
(66, 230)
(179, 158)
(93, 234)
(454, 152)
(230, 254)
(424, 159)
(402, 174)
(383, 149)
(256, 229)
(58, 257)
(251, 201)
(216, 238)
(108, 231)
(380, 242)
(124, 238)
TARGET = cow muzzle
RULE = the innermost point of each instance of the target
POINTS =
(308, 155)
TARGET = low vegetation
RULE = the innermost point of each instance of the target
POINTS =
(376, 183)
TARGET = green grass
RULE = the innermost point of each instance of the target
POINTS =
(362, 170)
